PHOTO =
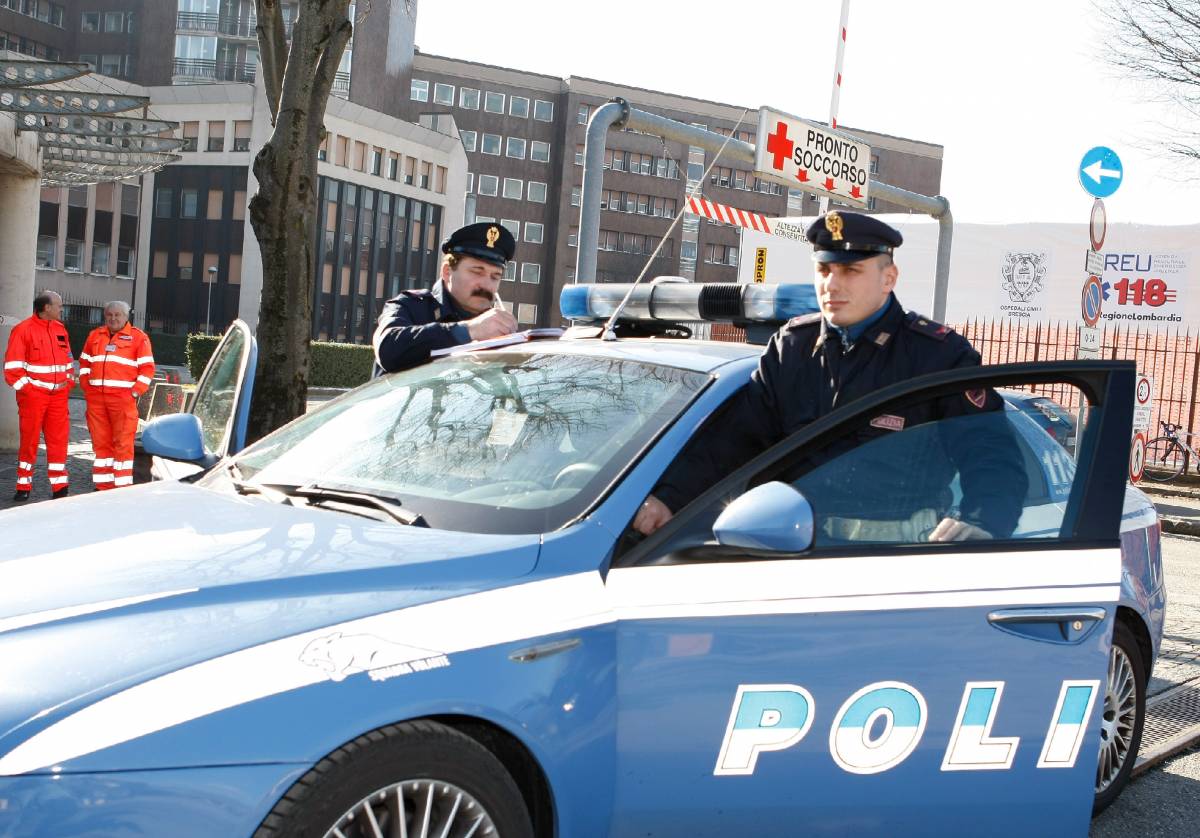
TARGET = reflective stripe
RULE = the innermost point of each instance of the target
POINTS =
(116, 359)
(56, 467)
(44, 369)
(104, 463)
(54, 481)
(24, 481)
(20, 382)
(143, 379)
(83, 356)
(45, 385)
(26, 466)
(102, 478)
(84, 370)
(125, 480)
(14, 365)
(119, 465)
(145, 359)
(108, 382)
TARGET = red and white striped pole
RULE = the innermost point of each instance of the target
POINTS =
(836, 96)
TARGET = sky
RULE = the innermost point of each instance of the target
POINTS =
(1016, 92)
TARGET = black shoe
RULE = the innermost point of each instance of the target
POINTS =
(61, 493)
(21, 496)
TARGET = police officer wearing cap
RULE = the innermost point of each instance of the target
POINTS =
(462, 306)
(860, 341)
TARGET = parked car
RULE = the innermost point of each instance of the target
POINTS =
(1048, 414)
(421, 607)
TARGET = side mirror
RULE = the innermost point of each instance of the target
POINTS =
(773, 517)
(175, 437)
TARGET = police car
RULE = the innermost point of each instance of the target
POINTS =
(421, 610)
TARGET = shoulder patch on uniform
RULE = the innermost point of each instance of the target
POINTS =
(929, 328)
(804, 320)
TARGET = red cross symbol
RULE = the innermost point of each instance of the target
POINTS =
(779, 145)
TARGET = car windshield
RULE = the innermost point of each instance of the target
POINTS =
(500, 442)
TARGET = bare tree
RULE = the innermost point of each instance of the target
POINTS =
(298, 79)
(1158, 42)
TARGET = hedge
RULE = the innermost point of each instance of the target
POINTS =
(168, 349)
(330, 364)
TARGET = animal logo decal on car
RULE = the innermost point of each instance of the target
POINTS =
(342, 655)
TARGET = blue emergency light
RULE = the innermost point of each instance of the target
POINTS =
(724, 302)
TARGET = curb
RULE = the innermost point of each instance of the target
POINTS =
(1168, 491)
(1180, 526)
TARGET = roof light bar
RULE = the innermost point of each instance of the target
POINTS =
(682, 301)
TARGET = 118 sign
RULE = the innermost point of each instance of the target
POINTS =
(1150, 292)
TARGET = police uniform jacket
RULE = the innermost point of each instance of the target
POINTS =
(807, 370)
(414, 323)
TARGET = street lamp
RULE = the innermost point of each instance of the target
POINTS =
(212, 280)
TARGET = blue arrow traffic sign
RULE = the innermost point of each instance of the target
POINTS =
(1100, 172)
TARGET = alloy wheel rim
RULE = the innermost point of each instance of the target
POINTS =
(1117, 723)
(422, 808)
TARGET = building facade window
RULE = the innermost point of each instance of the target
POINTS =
(584, 112)
(539, 151)
(543, 111)
(419, 90)
(526, 313)
(100, 254)
(536, 192)
(468, 97)
(443, 94)
(534, 232)
(489, 185)
(47, 252)
(91, 22)
(468, 139)
(493, 102)
(531, 272)
(513, 188)
(125, 261)
(162, 203)
(874, 164)
(510, 271)
(513, 226)
(490, 144)
(73, 255)
(515, 147)
(576, 196)
(518, 106)
(189, 203)
(216, 136)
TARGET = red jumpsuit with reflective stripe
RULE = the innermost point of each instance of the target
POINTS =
(114, 369)
(38, 365)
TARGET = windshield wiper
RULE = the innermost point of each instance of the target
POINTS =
(277, 492)
(316, 494)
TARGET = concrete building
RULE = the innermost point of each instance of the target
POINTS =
(524, 137)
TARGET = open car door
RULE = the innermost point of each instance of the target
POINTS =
(796, 656)
(214, 423)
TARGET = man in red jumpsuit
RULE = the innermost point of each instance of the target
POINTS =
(39, 366)
(115, 367)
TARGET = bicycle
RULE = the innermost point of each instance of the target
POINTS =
(1167, 455)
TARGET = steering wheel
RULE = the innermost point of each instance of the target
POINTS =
(574, 475)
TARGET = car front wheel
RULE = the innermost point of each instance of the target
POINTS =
(1124, 712)
(416, 779)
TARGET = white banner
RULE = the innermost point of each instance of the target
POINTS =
(1029, 272)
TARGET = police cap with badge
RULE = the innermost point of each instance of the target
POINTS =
(487, 241)
(850, 237)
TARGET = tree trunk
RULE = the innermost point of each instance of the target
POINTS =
(298, 81)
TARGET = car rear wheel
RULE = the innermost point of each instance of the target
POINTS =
(417, 779)
(1123, 714)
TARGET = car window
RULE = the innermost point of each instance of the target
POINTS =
(489, 442)
(213, 402)
(886, 482)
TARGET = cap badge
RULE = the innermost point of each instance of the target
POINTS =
(493, 233)
(833, 223)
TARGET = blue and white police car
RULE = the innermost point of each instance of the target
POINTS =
(420, 611)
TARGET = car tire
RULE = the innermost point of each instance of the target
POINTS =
(429, 773)
(1124, 712)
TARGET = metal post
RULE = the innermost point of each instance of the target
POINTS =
(618, 112)
(212, 280)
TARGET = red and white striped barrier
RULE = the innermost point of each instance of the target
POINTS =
(729, 215)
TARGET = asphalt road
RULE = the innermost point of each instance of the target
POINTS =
(1165, 801)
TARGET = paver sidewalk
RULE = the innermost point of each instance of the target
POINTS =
(79, 464)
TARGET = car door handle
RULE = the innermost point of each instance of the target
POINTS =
(1054, 625)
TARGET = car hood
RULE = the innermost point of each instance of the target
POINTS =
(102, 592)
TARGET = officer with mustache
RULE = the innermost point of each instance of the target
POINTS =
(462, 306)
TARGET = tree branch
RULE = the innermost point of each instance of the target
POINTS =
(272, 50)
